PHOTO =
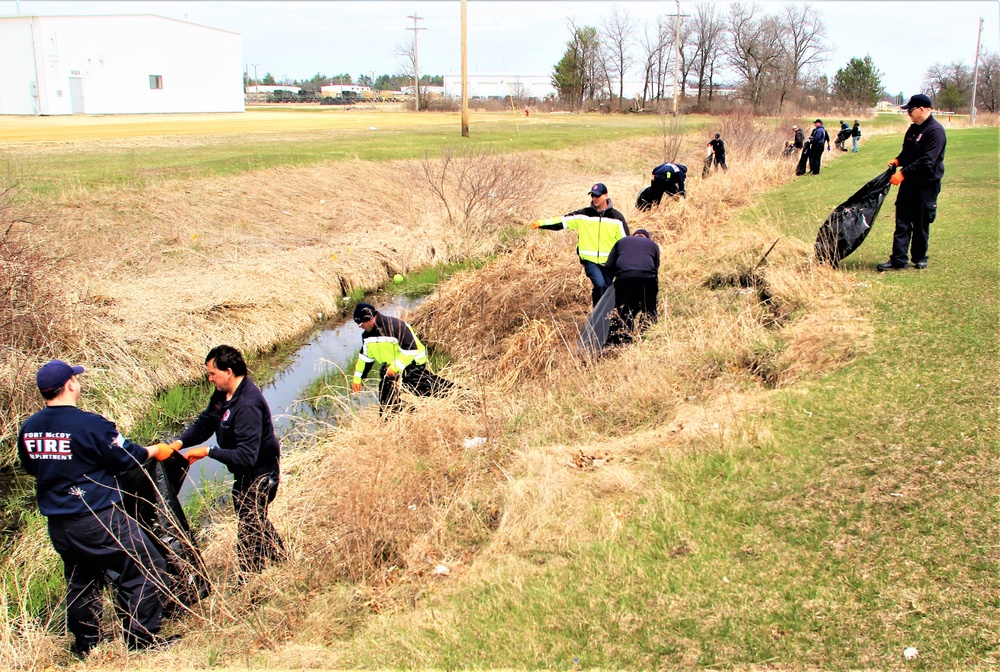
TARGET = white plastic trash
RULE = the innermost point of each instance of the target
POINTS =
(910, 653)
(475, 442)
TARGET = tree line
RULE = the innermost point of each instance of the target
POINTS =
(314, 83)
(765, 59)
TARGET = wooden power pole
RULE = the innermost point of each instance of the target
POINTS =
(416, 67)
(465, 72)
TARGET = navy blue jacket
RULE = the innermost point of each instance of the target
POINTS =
(243, 429)
(634, 257)
(922, 157)
(819, 136)
(74, 457)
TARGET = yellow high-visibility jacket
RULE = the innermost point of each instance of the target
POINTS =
(390, 342)
(597, 231)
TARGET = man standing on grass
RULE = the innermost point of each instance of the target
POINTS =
(920, 169)
(402, 359)
(855, 136)
(599, 226)
(75, 457)
(240, 418)
(818, 138)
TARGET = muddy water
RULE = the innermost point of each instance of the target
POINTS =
(328, 351)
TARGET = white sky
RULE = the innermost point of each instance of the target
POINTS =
(298, 39)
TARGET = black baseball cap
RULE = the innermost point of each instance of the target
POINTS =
(917, 100)
(364, 312)
(598, 189)
(54, 375)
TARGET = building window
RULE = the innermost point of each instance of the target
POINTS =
(156, 81)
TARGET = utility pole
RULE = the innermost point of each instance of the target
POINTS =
(416, 68)
(677, 50)
(975, 76)
(465, 72)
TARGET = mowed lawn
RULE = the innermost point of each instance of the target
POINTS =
(69, 154)
(860, 521)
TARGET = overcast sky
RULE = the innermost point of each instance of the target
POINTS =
(298, 39)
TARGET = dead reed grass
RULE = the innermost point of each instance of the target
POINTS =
(372, 510)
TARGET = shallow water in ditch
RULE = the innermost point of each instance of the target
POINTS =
(327, 351)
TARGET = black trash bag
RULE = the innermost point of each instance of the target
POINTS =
(848, 225)
(842, 137)
(649, 196)
(149, 494)
(595, 331)
(800, 169)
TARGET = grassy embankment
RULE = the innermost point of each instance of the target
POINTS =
(853, 516)
(568, 553)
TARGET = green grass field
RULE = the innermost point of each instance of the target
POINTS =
(863, 522)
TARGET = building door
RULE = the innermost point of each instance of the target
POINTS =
(76, 94)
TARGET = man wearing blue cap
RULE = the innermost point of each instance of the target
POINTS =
(599, 227)
(75, 457)
(920, 167)
(390, 343)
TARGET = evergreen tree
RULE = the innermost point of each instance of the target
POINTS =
(859, 83)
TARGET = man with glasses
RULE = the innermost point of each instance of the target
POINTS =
(599, 227)
(920, 167)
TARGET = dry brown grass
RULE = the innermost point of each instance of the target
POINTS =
(371, 508)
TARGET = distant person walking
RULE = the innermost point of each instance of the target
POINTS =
(634, 263)
(920, 169)
(855, 136)
(599, 226)
(817, 140)
(718, 152)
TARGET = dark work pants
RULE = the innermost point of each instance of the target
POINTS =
(916, 209)
(720, 160)
(94, 546)
(416, 379)
(600, 278)
(815, 159)
(256, 539)
(635, 301)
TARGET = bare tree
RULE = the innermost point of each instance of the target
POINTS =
(708, 35)
(618, 37)
(954, 78)
(655, 59)
(686, 53)
(755, 49)
(802, 39)
(988, 86)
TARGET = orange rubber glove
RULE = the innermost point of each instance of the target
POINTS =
(356, 387)
(391, 372)
(196, 454)
(535, 224)
(893, 163)
(161, 451)
(176, 445)
(897, 178)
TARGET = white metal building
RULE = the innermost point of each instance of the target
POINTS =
(494, 85)
(128, 64)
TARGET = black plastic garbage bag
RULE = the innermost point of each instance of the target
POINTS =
(848, 225)
(149, 494)
(595, 331)
(800, 169)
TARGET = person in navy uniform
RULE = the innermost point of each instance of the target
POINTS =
(75, 457)
(920, 167)
(634, 263)
(240, 418)
(818, 138)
